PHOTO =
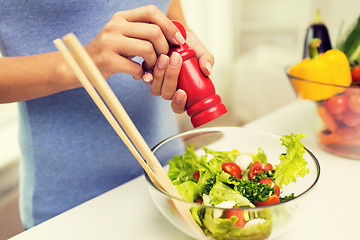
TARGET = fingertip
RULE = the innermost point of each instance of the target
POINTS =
(175, 59)
(206, 62)
(136, 77)
(179, 38)
(179, 101)
(208, 67)
(162, 61)
(147, 78)
(180, 96)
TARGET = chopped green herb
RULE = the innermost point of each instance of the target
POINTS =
(252, 190)
(263, 174)
(287, 198)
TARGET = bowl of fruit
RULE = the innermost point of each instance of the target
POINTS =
(235, 183)
(329, 79)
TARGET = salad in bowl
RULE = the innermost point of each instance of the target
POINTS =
(236, 183)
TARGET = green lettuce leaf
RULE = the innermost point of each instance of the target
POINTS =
(223, 228)
(224, 156)
(182, 168)
(221, 192)
(261, 156)
(292, 163)
(189, 191)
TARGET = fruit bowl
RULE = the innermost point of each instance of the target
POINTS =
(212, 222)
(335, 117)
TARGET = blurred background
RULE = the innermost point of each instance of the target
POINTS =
(252, 41)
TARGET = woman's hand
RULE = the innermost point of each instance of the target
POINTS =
(146, 32)
(164, 76)
(143, 32)
(205, 58)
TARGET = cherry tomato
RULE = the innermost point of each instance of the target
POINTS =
(232, 168)
(268, 167)
(199, 200)
(355, 74)
(270, 183)
(255, 168)
(270, 201)
(354, 103)
(196, 175)
(258, 167)
(351, 119)
(337, 104)
(239, 214)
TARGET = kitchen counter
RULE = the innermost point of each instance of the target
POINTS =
(127, 211)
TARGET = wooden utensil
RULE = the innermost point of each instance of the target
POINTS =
(89, 75)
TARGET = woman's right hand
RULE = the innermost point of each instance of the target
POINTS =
(144, 32)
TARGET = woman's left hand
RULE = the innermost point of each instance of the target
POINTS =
(164, 77)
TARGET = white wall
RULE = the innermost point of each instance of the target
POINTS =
(253, 41)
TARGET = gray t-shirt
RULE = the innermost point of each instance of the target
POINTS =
(69, 152)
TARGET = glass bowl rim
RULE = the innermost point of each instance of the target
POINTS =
(287, 68)
(217, 129)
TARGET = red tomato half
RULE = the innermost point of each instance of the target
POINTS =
(270, 183)
(239, 214)
(258, 167)
(255, 168)
(232, 168)
(196, 175)
(337, 104)
(268, 167)
(270, 201)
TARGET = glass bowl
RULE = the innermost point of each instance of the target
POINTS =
(333, 115)
(272, 220)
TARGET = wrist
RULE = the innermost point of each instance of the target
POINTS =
(64, 78)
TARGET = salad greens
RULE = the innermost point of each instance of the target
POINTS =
(203, 179)
(292, 164)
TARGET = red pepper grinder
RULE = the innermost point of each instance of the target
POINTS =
(202, 105)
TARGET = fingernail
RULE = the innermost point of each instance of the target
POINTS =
(179, 38)
(179, 96)
(162, 61)
(147, 78)
(208, 67)
(174, 59)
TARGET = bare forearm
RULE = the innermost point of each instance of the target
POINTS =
(206, 59)
(175, 12)
(29, 77)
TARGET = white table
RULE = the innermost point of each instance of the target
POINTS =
(127, 211)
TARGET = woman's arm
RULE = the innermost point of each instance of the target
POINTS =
(175, 12)
(143, 32)
(29, 77)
